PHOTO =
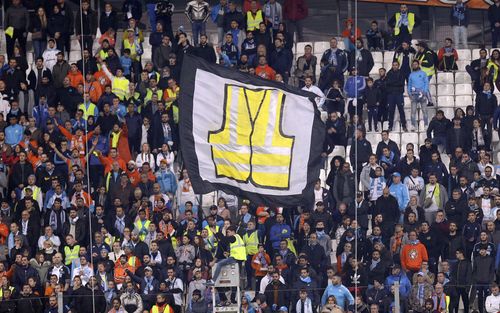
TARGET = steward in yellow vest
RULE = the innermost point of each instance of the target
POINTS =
(425, 57)
(161, 305)
(237, 248)
(253, 19)
(251, 239)
(403, 23)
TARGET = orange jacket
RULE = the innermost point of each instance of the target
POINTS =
(4, 233)
(108, 161)
(352, 37)
(412, 256)
(120, 271)
(95, 91)
(75, 78)
(258, 265)
(122, 146)
(265, 72)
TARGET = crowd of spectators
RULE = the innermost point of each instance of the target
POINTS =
(96, 206)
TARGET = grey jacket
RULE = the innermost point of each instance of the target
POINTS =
(17, 17)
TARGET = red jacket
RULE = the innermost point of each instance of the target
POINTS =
(295, 10)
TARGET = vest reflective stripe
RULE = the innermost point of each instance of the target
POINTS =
(237, 249)
(131, 261)
(493, 65)
(120, 87)
(71, 254)
(411, 23)
(166, 309)
(253, 22)
(429, 71)
(142, 229)
(87, 111)
(211, 234)
(251, 243)
(250, 145)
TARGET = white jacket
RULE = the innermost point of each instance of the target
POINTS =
(50, 58)
(492, 304)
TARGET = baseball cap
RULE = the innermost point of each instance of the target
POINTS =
(396, 174)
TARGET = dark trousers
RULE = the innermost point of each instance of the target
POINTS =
(86, 42)
(482, 292)
(495, 36)
(396, 100)
(464, 293)
(19, 35)
(63, 43)
(372, 117)
(249, 271)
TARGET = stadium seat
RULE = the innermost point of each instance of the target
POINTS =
(407, 138)
(462, 78)
(446, 159)
(462, 64)
(421, 138)
(317, 55)
(433, 80)
(375, 68)
(448, 112)
(396, 137)
(320, 46)
(214, 38)
(301, 45)
(340, 44)
(446, 90)
(463, 89)
(432, 89)
(377, 57)
(464, 54)
(445, 78)
(475, 54)
(75, 55)
(463, 101)
(494, 137)
(446, 101)
(338, 151)
(374, 137)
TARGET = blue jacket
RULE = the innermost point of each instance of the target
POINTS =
(103, 146)
(13, 134)
(341, 293)
(279, 232)
(400, 192)
(404, 284)
(40, 113)
(419, 81)
(167, 181)
(354, 83)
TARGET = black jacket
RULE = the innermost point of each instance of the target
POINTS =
(485, 105)
(483, 270)
(364, 150)
(438, 128)
(494, 14)
(395, 82)
(460, 138)
(106, 22)
(364, 64)
(206, 52)
(462, 273)
(90, 66)
(389, 208)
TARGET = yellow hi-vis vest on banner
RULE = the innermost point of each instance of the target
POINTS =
(71, 254)
(250, 145)
(254, 21)
(237, 249)
(251, 242)
(411, 23)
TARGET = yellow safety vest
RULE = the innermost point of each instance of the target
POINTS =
(131, 261)
(131, 46)
(120, 87)
(11, 291)
(211, 235)
(411, 23)
(250, 145)
(71, 254)
(493, 65)
(149, 94)
(428, 70)
(238, 251)
(140, 227)
(254, 21)
(251, 242)
(87, 111)
(168, 104)
(166, 309)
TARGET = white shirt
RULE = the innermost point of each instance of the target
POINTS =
(492, 304)
(320, 99)
(56, 242)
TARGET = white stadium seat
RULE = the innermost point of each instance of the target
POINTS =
(464, 54)
(463, 101)
(407, 138)
(396, 137)
(377, 57)
(462, 78)
(340, 44)
(301, 45)
(421, 138)
(448, 112)
(463, 89)
(462, 64)
(375, 68)
(320, 46)
(373, 137)
(433, 80)
(445, 78)
(432, 89)
(446, 101)
(475, 54)
(446, 90)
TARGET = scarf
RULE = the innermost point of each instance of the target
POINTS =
(487, 93)
(414, 242)
(306, 280)
(374, 264)
(304, 306)
(403, 20)
(442, 302)
(436, 197)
